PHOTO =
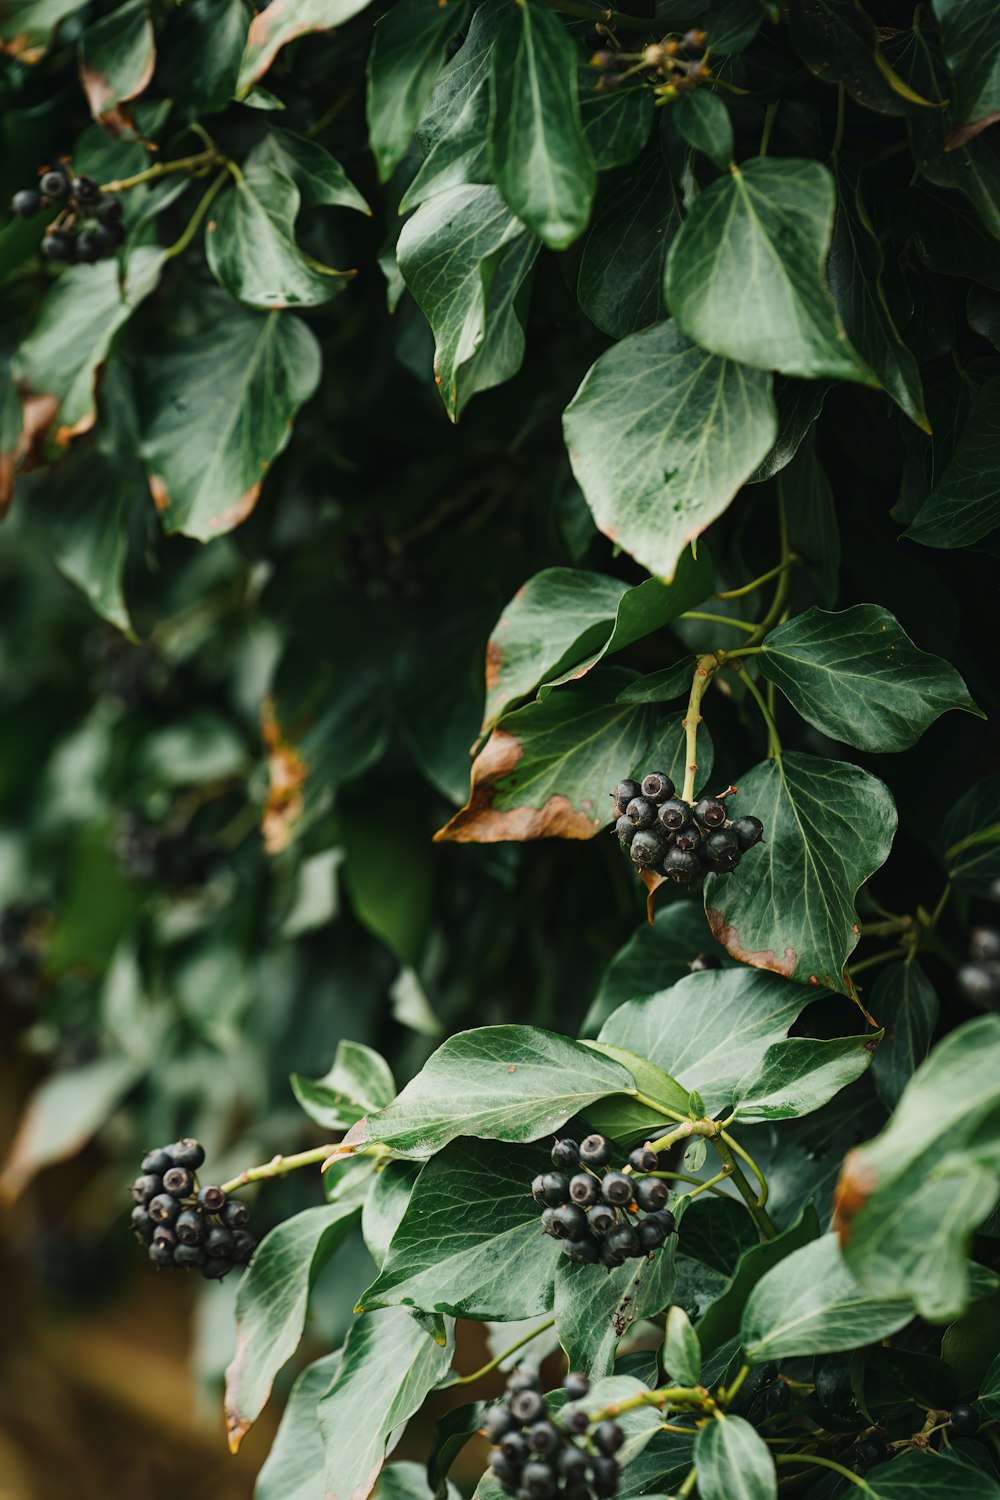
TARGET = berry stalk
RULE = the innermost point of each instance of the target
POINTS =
(279, 1166)
(703, 674)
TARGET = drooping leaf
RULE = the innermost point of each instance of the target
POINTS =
(320, 179)
(970, 838)
(809, 1303)
(83, 508)
(465, 258)
(470, 1241)
(801, 1074)
(681, 1349)
(858, 677)
(218, 412)
(906, 1232)
(385, 1206)
(505, 1083)
(280, 23)
(903, 1001)
(654, 958)
(594, 1308)
(620, 281)
(359, 1081)
(388, 1365)
(703, 121)
(745, 273)
(709, 1029)
(117, 58)
(541, 161)
(964, 503)
(733, 1459)
(661, 435)
(828, 827)
(407, 53)
(271, 1303)
(616, 123)
(61, 358)
(251, 246)
(721, 1321)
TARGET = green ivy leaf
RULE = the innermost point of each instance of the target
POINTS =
(60, 360)
(733, 24)
(661, 436)
(620, 281)
(839, 43)
(904, 1002)
(466, 258)
(359, 1081)
(388, 1366)
(200, 55)
(595, 1308)
(218, 411)
(407, 53)
(117, 58)
(660, 687)
(989, 1394)
(828, 827)
(745, 273)
(385, 1206)
(505, 1083)
(616, 123)
(542, 163)
(653, 959)
(62, 1114)
(470, 1241)
(272, 1299)
(251, 247)
(910, 1199)
(733, 1459)
(563, 621)
(721, 1321)
(280, 23)
(83, 507)
(919, 1476)
(626, 1118)
(968, 32)
(971, 837)
(27, 26)
(801, 1074)
(703, 121)
(809, 1303)
(964, 503)
(858, 677)
(710, 1029)
(681, 1349)
(320, 179)
(855, 271)
(293, 1468)
(812, 521)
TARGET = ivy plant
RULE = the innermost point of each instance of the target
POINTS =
(611, 397)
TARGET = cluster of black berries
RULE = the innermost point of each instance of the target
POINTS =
(671, 838)
(537, 1456)
(381, 569)
(596, 1210)
(979, 976)
(184, 1225)
(88, 224)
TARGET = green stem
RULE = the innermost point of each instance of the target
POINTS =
(877, 958)
(661, 1109)
(709, 1185)
(824, 1463)
(698, 614)
(887, 928)
(180, 245)
(675, 1395)
(279, 1166)
(989, 835)
(201, 159)
(936, 913)
(704, 671)
(727, 1396)
(760, 1216)
(699, 1182)
(519, 1344)
(748, 588)
(784, 577)
(688, 1485)
(745, 1156)
(765, 138)
(773, 738)
(838, 134)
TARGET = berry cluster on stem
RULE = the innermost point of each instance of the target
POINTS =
(603, 1216)
(667, 836)
(88, 223)
(186, 1226)
(538, 1455)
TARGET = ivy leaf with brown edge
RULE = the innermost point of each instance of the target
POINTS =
(280, 23)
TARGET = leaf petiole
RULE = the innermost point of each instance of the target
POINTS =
(278, 1166)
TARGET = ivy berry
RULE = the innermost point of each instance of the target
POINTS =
(965, 1421)
(185, 1226)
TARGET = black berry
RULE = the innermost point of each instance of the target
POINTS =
(108, 237)
(142, 1225)
(689, 839)
(555, 1188)
(674, 815)
(650, 1194)
(191, 1227)
(657, 786)
(109, 210)
(214, 1270)
(575, 1419)
(244, 1246)
(513, 1447)
(543, 1438)
(235, 1215)
(58, 245)
(527, 1407)
(647, 848)
(157, 1162)
(522, 1380)
(569, 1222)
(616, 1189)
(620, 1243)
(187, 1153)
(88, 247)
(499, 1421)
(624, 793)
(601, 1218)
(651, 1233)
(625, 830)
(606, 1474)
(211, 1198)
(681, 868)
(596, 1150)
(85, 190)
(164, 1235)
(161, 1255)
(146, 1187)
(178, 1181)
(748, 831)
(54, 186)
(665, 1219)
(566, 1154)
(608, 1437)
(573, 1461)
(721, 845)
(164, 1208)
(219, 1242)
(965, 1421)
(189, 1255)
(710, 812)
(583, 1189)
(26, 203)
(642, 812)
(576, 1385)
(537, 1481)
(642, 1159)
(584, 1251)
(704, 961)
